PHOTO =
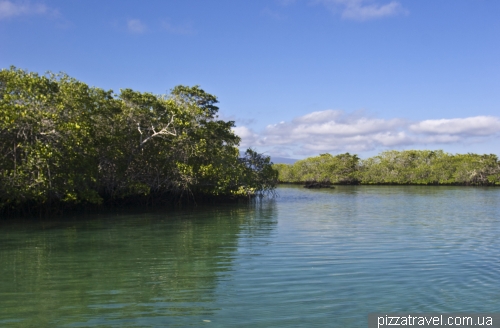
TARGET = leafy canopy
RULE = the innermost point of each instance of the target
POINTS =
(62, 141)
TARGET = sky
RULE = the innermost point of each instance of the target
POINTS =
(298, 77)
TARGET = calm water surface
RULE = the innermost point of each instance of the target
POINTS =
(308, 258)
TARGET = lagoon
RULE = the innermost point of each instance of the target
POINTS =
(307, 258)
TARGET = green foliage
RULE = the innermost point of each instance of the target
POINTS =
(406, 167)
(423, 167)
(340, 169)
(62, 141)
(47, 138)
(430, 167)
(258, 173)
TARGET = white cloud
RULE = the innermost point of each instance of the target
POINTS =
(10, 9)
(362, 10)
(332, 124)
(248, 137)
(335, 131)
(472, 126)
(136, 26)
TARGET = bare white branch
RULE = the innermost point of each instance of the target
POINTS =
(164, 131)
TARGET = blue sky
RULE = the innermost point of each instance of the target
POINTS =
(299, 77)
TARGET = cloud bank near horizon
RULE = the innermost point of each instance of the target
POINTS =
(337, 131)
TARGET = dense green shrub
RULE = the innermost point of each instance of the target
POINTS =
(63, 142)
(341, 169)
(423, 167)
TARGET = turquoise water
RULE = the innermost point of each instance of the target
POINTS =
(309, 258)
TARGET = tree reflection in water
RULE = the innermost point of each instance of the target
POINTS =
(123, 270)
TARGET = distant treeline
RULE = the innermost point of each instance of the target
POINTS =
(420, 167)
(63, 143)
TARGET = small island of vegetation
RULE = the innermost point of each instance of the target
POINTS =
(409, 167)
(64, 145)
